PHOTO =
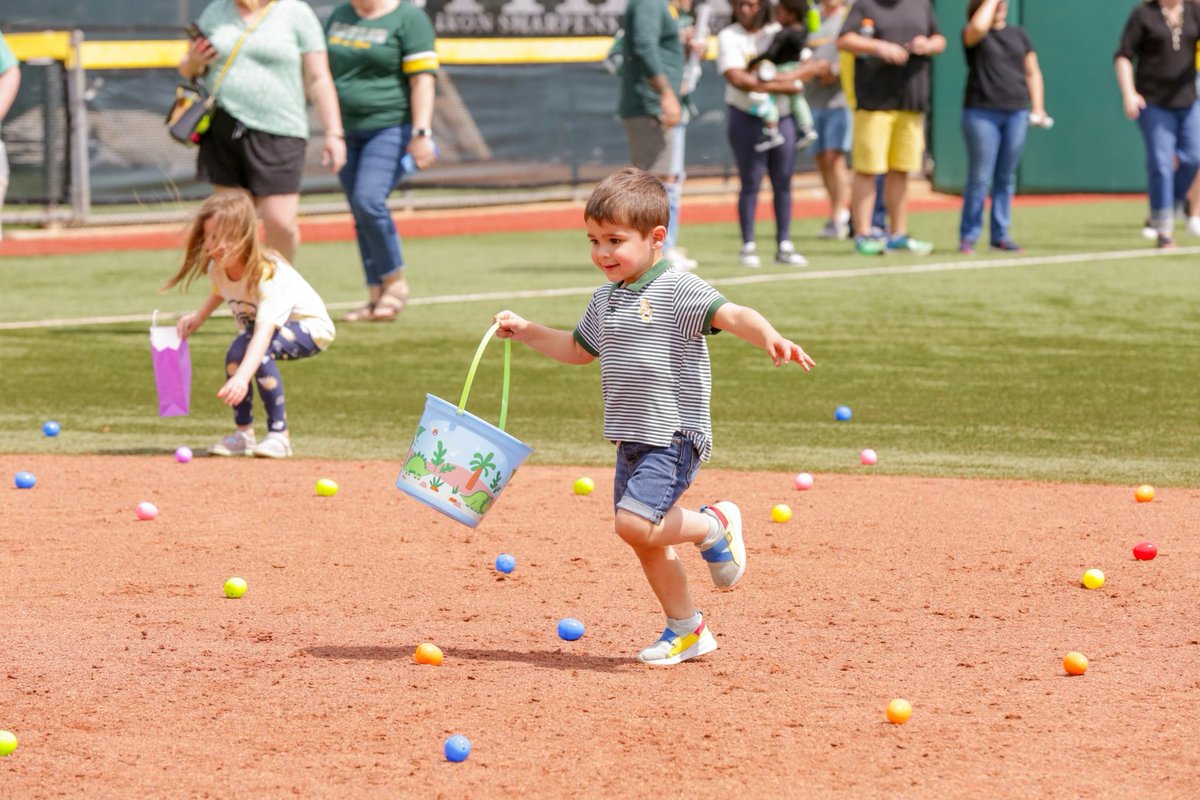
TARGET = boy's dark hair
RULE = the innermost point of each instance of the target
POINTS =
(630, 197)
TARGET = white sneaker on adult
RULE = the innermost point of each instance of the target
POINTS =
(748, 257)
(786, 254)
(1193, 226)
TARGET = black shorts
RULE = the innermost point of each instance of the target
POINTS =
(262, 163)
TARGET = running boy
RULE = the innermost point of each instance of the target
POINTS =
(648, 325)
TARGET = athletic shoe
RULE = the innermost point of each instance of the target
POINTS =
(1164, 241)
(677, 259)
(238, 443)
(906, 244)
(772, 138)
(786, 254)
(727, 557)
(835, 230)
(966, 248)
(1193, 226)
(671, 648)
(805, 138)
(1149, 231)
(867, 246)
(277, 445)
(748, 257)
(1008, 245)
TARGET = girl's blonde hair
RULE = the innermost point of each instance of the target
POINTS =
(235, 226)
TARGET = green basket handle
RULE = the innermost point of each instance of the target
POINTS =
(487, 337)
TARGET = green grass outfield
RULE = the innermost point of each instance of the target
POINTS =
(1086, 370)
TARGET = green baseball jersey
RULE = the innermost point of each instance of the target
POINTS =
(372, 61)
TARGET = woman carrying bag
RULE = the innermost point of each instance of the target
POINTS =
(267, 54)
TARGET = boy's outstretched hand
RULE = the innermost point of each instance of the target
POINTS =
(512, 326)
(783, 350)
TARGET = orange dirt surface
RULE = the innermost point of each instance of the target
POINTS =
(126, 672)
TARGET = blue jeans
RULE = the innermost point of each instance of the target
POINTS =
(650, 479)
(372, 170)
(744, 131)
(678, 136)
(995, 141)
(289, 343)
(1169, 133)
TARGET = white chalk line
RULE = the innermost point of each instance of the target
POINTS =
(743, 280)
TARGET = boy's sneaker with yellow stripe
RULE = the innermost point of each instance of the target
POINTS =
(672, 648)
(724, 549)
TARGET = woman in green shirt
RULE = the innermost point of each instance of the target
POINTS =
(384, 63)
(259, 133)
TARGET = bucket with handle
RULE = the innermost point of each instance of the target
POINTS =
(457, 463)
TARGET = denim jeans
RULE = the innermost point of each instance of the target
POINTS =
(678, 136)
(649, 479)
(995, 140)
(372, 170)
(1169, 133)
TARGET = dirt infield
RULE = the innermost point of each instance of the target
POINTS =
(127, 673)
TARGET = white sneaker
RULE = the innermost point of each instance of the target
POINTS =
(1193, 226)
(772, 138)
(677, 259)
(671, 648)
(786, 254)
(1149, 231)
(727, 557)
(277, 445)
(238, 443)
(748, 257)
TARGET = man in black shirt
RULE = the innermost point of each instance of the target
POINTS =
(894, 41)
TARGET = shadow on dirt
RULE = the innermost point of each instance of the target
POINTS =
(538, 658)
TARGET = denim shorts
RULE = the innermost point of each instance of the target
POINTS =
(650, 479)
(833, 129)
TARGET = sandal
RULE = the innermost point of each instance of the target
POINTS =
(363, 314)
(391, 303)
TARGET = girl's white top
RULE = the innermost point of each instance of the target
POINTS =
(735, 47)
(281, 298)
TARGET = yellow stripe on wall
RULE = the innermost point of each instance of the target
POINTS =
(152, 54)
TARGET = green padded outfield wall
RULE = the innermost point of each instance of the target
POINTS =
(1092, 147)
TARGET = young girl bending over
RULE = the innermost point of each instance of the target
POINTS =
(279, 316)
(648, 324)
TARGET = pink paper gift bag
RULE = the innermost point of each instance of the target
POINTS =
(172, 371)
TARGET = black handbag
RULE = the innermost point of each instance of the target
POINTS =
(190, 114)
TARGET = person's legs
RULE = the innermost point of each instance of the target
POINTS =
(1158, 132)
(982, 137)
(281, 231)
(674, 184)
(1013, 127)
(1187, 150)
(289, 343)
(348, 177)
(781, 163)
(648, 482)
(243, 412)
(743, 130)
(872, 136)
(3, 182)
(895, 197)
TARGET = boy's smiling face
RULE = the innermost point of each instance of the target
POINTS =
(623, 253)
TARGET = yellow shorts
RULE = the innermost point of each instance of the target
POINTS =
(888, 141)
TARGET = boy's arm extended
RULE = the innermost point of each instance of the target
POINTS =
(746, 323)
(557, 344)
